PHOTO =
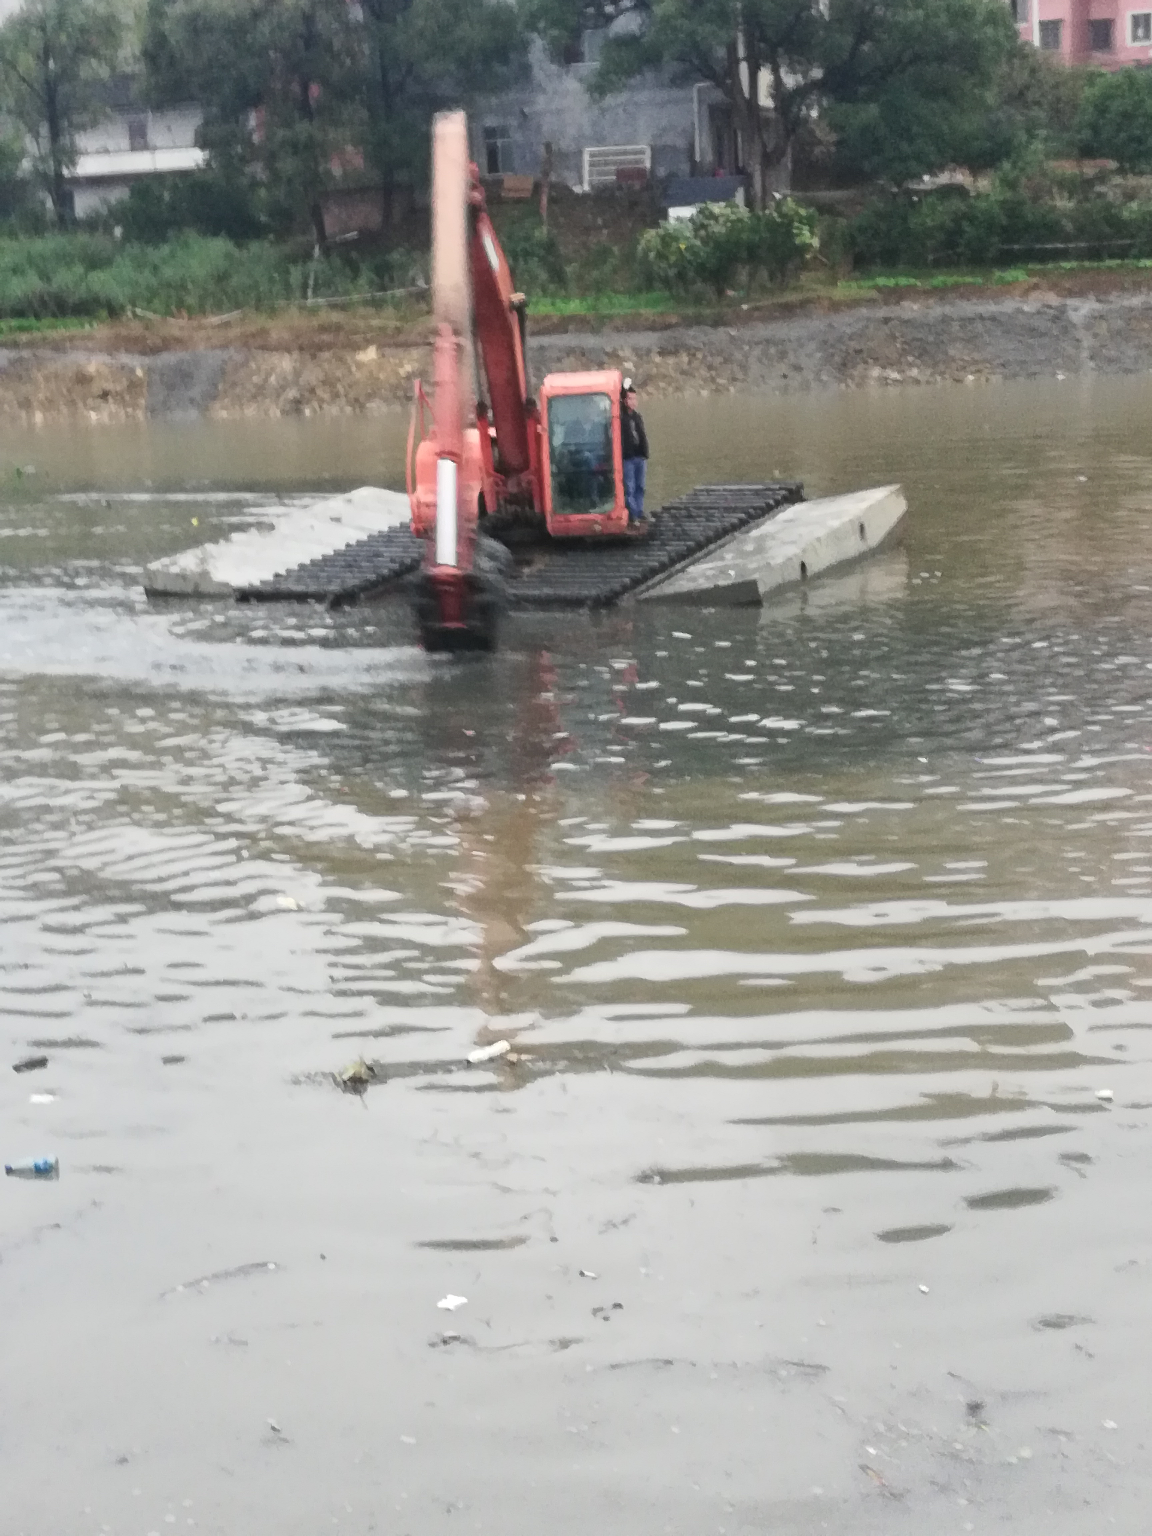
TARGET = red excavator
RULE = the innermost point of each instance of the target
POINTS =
(555, 458)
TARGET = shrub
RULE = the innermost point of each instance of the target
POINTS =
(666, 255)
(535, 257)
(90, 275)
(721, 240)
(783, 238)
(1115, 118)
(991, 226)
(204, 203)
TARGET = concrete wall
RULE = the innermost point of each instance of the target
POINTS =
(553, 105)
(89, 198)
(174, 128)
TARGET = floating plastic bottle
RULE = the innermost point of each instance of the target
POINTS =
(33, 1168)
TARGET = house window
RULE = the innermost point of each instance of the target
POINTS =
(1019, 10)
(1140, 27)
(1100, 36)
(497, 151)
(1052, 35)
(137, 133)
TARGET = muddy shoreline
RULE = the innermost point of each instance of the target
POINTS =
(922, 341)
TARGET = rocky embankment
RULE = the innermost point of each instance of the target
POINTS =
(902, 343)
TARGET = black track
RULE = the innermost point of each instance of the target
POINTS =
(346, 574)
(570, 573)
(573, 574)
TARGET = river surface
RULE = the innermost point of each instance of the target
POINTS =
(820, 935)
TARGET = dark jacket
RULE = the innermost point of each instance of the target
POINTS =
(633, 438)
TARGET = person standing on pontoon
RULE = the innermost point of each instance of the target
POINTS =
(634, 452)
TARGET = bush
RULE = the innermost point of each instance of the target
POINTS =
(1002, 224)
(1115, 118)
(721, 243)
(783, 238)
(16, 194)
(721, 240)
(92, 275)
(534, 255)
(202, 203)
(665, 255)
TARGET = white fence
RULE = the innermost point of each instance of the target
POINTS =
(602, 161)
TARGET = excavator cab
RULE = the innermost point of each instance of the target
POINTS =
(582, 471)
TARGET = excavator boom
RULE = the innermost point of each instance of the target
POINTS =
(499, 313)
(558, 457)
(446, 471)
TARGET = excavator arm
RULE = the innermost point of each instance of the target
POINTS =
(559, 458)
(499, 320)
(446, 472)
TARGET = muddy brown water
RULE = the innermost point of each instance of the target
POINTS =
(816, 933)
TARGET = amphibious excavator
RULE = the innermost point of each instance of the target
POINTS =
(519, 498)
(553, 459)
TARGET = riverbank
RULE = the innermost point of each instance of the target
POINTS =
(363, 362)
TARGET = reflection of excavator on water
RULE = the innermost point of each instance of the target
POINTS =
(555, 459)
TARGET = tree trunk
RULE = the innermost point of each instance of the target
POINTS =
(379, 99)
(305, 86)
(316, 214)
(759, 192)
(545, 182)
(746, 117)
(58, 190)
(315, 207)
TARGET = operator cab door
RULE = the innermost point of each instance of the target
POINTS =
(582, 470)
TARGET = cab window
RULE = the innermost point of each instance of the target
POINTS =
(580, 453)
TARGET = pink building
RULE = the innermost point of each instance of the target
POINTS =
(1107, 33)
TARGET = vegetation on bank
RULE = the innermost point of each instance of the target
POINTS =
(725, 258)
(96, 276)
(1058, 163)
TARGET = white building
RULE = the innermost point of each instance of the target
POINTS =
(129, 145)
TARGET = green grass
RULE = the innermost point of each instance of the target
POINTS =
(26, 325)
(986, 278)
(656, 302)
(91, 276)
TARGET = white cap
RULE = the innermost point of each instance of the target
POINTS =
(628, 384)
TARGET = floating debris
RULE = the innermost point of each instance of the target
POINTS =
(489, 1052)
(356, 1078)
(259, 1267)
(33, 1168)
(1061, 1320)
